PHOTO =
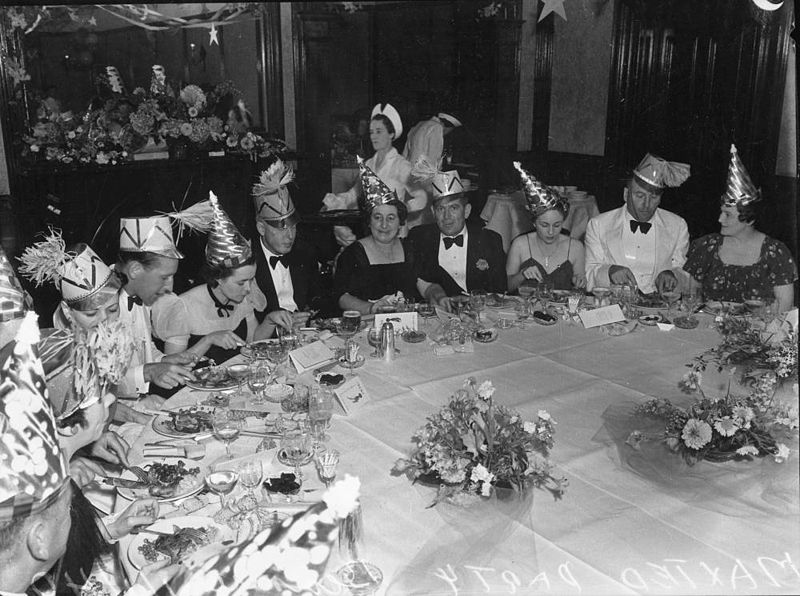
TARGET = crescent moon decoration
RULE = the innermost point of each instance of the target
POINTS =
(767, 5)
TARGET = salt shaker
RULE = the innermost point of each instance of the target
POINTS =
(387, 342)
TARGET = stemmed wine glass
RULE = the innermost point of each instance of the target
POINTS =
(295, 449)
(222, 483)
(351, 349)
(250, 475)
(320, 412)
(257, 381)
(226, 429)
(238, 373)
(426, 311)
(671, 297)
(523, 309)
(691, 298)
(477, 300)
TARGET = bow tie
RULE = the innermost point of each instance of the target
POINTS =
(133, 300)
(457, 240)
(273, 261)
(640, 225)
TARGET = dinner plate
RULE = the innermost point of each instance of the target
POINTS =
(500, 300)
(488, 339)
(717, 307)
(247, 351)
(162, 423)
(204, 385)
(167, 525)
(190, 485)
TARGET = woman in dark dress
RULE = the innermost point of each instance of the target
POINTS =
(373, 271)
(545, 254)
(741, 263)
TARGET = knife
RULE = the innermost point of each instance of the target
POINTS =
(125, 482)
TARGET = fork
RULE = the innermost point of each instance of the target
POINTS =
(138, 472)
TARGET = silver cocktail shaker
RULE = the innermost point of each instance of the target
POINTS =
(387, 342)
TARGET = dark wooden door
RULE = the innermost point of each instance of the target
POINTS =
(690, 78)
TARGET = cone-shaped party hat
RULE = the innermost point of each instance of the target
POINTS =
(226, 246)
(739, 189)
(540, 197)
(14, 301)
(375, 190)
(655, 173)
(272, 201)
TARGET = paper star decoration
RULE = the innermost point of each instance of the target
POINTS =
(212, 34)
(556, 6)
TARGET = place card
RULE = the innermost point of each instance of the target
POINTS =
(665, 326)
(352, 393)
(402, 321)
(601, 316)
(311, 356)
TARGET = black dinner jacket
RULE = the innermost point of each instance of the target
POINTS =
(302, 269)
(484, 247)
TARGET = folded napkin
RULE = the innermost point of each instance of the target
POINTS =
(190, 451)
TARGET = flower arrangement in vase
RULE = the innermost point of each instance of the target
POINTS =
(473, 446)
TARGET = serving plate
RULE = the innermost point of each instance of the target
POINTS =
(191, 484)
(205, 385)
(138, 560)
(248, 351)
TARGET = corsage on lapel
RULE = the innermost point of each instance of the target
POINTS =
(482, 265)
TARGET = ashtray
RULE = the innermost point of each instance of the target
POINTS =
(413, 337)
(651, 320)
(286, 484)
(685, 322)
(485, 336)
(330, 379)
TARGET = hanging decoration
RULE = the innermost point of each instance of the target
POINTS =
(212, 35)
(555, 6)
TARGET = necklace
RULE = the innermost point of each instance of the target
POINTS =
(544, 254)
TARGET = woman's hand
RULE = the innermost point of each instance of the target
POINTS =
(344, 235)
(185, 357)
(167, 375)
(151, 402)
(141, 512)
(532, 272)
(281, 318)
(387, 300)
(579, 280)
(112, 448)
(227, 340)
(84, 470)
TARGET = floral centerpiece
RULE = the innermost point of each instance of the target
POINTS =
(473, 446)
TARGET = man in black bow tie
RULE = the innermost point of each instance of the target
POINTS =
(286, 268)
(450, 256)
(639, 244)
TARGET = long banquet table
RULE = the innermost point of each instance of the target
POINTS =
(615, 531)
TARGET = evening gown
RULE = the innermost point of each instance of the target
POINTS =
(560, 277)
(356, 276)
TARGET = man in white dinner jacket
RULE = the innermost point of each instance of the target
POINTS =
(639, 244)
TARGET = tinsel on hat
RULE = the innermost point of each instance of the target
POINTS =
(739, 188)
(154, 233)
(33, 469)
(76, 275)
(286, 559)
(14, 301)
(375, 190)
(272, 199)
(443, 184)
(226, 246)
(539, 197)
(660, 173)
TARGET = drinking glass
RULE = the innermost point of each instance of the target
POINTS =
(574, 302)
(546, 293)
(276, 352)
(426, 311)
(351, 322)
(477, 300)
(374, 339)
(691, 299)
(320, 412)
(327, 460)
(360, 578)
(257, 381)
(238, 373)
(459, 303)
(351, 349)
(616, 292)
(671, 297)
(222, 483)
(226, 429)
(250, 475)
(295, 449)
(523, 309)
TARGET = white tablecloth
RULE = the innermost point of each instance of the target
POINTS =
(506, 215)
(615, 531)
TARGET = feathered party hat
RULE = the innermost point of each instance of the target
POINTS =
(539, 197)
(33, 469)
(226, 246)
(154, 234)
(272, 201)
(655, 173)
(286, 559)
(77, 276)
(14, 301)
(375, 190)
(443, 184)
(739, 189)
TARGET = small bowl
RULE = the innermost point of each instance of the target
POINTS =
(277, 392)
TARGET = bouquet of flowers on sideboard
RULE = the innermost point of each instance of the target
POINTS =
(473, 446)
